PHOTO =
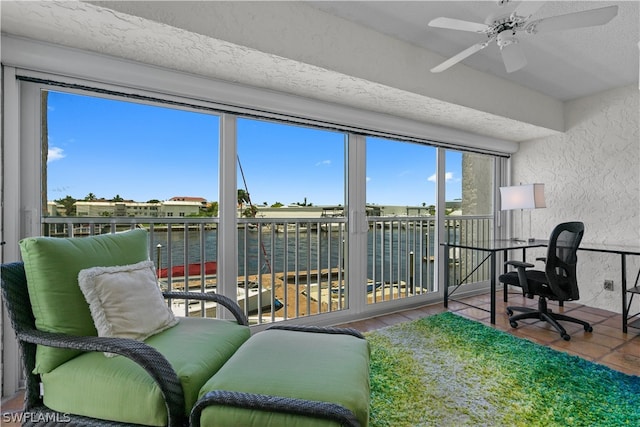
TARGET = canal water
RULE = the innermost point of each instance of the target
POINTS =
(393, 254)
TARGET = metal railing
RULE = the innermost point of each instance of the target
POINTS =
(294, 267)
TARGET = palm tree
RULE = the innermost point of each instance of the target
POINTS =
(90, 197)
(243, 197)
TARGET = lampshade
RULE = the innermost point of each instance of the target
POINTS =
(527, 196)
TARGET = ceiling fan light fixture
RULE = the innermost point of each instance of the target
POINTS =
(505, 39)
(503, 30)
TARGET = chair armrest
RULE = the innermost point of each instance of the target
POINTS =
(228, 303)
(519, 264)
(150, 359)
(319, 329)
(522, 275)
(542, 258)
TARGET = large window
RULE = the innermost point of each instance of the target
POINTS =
(325, 221)
(119, 164)
(126, 157)
(401, 204)
(155, 166)
(469, 212)
(292, 235)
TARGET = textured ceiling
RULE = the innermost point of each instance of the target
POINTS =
(565, 64)
(313, 56)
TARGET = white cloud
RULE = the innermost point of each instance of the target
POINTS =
(324, 163)
(448, 176)
(55, 153)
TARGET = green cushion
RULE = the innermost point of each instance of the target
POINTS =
(311, 366)
(52, 266)
(117, 389)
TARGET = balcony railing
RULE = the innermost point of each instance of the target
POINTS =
(295, 267)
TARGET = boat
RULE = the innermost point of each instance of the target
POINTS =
(193, 269)
(370, 288)
(251, 300)
(335, 291)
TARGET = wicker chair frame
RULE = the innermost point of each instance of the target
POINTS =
(16, 298)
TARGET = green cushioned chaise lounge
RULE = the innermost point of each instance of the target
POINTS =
(75, 375)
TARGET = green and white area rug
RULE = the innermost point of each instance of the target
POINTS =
(445, 370)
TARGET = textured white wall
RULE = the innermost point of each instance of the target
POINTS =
(591, 174)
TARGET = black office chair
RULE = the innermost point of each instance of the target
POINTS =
(557, 282)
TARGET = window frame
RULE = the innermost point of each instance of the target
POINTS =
(28, 65)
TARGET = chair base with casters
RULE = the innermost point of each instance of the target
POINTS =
(545, 314)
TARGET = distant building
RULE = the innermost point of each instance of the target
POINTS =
(200, 200)
(182, 208)
(125, 208)
(336, 211)
(55, 209)
(174, 207)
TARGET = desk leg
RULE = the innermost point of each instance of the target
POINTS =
(623, 285)
(446, 276)
(505, 288)
(493, 287)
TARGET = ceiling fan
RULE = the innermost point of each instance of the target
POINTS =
(503, 29)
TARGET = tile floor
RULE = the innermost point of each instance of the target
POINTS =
(607, 344)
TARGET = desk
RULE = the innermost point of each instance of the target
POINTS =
(623, 251)
(492, 247)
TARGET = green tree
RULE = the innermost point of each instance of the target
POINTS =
(304, 203)
(211, 209)
(90, 197)
(277, 205)
(117, 198)
(243, 198)
(69, 204)
(250, 212)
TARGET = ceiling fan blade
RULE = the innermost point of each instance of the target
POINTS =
(513, 57)
(459, 57)
(527, 8)
(458, 24)
(587, 18)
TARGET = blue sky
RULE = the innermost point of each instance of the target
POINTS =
(144, 152)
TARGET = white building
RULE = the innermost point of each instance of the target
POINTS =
(175, 207)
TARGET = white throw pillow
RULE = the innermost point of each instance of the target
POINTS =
(126, 301)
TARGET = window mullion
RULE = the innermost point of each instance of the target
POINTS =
(358, 225)
(227, 230)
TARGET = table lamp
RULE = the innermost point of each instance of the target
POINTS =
(524, 196)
